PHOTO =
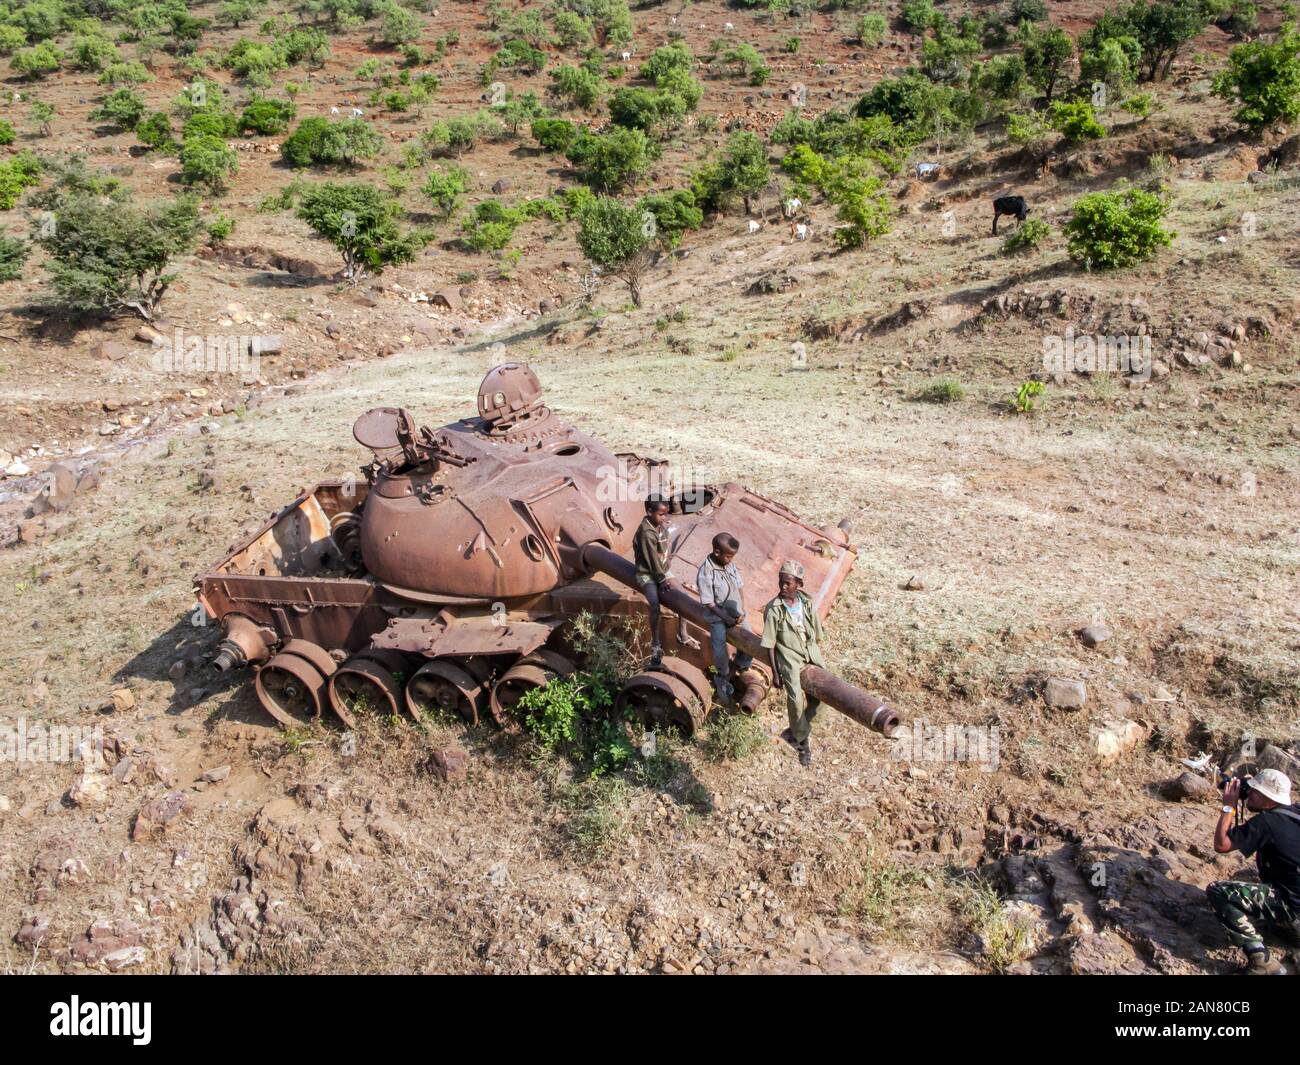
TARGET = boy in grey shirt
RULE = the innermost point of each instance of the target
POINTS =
(722, 595)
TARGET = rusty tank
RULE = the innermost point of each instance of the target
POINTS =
(447, 577)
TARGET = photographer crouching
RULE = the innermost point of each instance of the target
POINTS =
(1273, 837)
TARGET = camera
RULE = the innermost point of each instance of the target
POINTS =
(1238, 774)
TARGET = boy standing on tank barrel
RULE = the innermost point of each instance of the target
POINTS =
(792, 633)
(651, 547)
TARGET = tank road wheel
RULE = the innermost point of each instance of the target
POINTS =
(551, 660)
(692, 677)
(314, 653)
(659, 700)
(365, 685)
(291, 690)
(520, 678)
(440, 685)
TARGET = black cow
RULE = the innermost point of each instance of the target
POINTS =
(1010, 205)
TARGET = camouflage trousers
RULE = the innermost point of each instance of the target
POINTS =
(1238, 903)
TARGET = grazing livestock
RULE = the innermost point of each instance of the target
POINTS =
(799, 230)
(357, 112)
(791, 206)
(928, 171)
(754, 227)
(1008, 205)
(627, 57)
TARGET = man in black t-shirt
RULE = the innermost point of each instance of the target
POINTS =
(1273, 837)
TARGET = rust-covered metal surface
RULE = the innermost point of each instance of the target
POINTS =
(445, 578)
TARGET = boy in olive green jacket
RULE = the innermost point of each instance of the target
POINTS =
(792, 634)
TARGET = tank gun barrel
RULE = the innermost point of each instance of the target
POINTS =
(847, 698)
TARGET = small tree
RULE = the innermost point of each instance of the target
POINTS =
(611, 160)
(42, 115)
(446, 187)
(361, 222)
(106, 256)
(1115, 229)
(744, 166)
(1047, 54)
(616, 240)
(1163, 28)
(1264, 80)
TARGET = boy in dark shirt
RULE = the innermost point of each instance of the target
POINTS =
(651, 547)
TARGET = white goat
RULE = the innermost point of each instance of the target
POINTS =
(754, 227)
(792, 206)
(801, 231)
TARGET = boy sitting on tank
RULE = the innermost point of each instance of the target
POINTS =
(651, 547)
(722, 595)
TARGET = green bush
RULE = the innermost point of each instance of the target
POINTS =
(1116, 229)
(398, 26)
(871, 29)
(7, 134)
(13, 257)
(155, 131)
(554, 134)
(611, 160)
(254, 61)
(1264, 80)
(748, 62)
(210, 123)
(944, 390)
(132, 73)
(731, 737)
(37, 61)
(320, 142)
(123, 107)
(645, 109)
(11, 39)
(863, 205)
(445, 188)
(1075, 121)
(17, 174)
(266, 116)
(1139, 105)
(674, 213)
(491, 225)
(219, 229)
(93, 52)
(579, 87)
(1026, 236)
(207, 160)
